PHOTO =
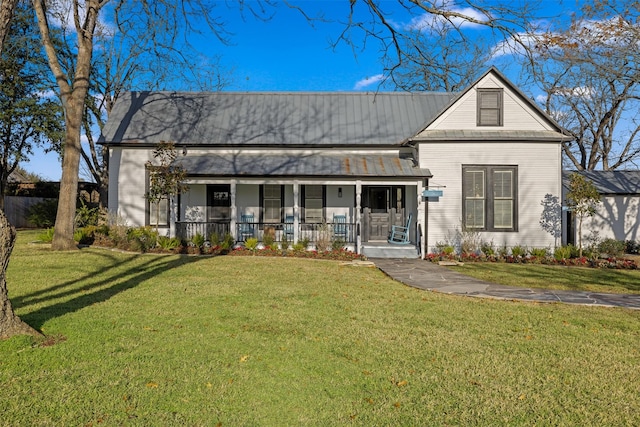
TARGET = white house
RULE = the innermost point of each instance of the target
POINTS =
(483, 160)
(617, 215)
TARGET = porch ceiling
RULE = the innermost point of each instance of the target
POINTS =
(301, 165)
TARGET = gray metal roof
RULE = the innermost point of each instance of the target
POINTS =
(492, 135)
(250, 165)
(269, 119)
(621, 182)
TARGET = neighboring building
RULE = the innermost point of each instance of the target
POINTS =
(618, 215)
(360, 162)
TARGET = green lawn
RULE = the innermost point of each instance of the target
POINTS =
(169, 340)
(555, 277)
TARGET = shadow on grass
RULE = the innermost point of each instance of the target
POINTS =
(100, 286)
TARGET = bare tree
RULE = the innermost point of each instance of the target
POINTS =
(158, 25)
(10, 323)
(590, 75)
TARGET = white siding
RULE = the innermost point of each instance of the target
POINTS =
(617, 217)
(538, 175)
(194, 204)
(518, 115)
(127, 184)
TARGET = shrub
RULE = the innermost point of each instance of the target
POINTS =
(338, 244)
(304, 243)
(323, 242)
(539, 252)
(251, 243)
(227, 242)
(141, 239)
(613, 248)
(564, 252)
(268, 237)
(299, 247)
(86, 215)
(85, 235)
(214, 239)
(284, 242)
(47, 235)
(632, 247)
(198, 240)
(518, 251)
(43, 214)
(488, 249)
(168, 243)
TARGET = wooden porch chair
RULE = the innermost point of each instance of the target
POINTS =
(340, 227)
(399, 234)
(247, 227)
(288, 227)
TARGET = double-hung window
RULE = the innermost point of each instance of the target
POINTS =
(159, 213)
(490, 107)
(313, 203)
(490, 198)
(272, 198)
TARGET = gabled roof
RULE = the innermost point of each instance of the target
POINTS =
(619, 182)
(270, 119)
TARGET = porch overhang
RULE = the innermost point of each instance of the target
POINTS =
(298, 165)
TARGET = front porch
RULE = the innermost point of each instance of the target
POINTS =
(341, 214)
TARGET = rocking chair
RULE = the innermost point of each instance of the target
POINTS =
(399, 235)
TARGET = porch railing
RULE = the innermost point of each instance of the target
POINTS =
(186, 230)
(345, 232)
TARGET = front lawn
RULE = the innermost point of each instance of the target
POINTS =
(555, 277)
(175, 340)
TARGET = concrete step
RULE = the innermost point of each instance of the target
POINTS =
(388, 250)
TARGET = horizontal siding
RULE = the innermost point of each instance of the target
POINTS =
(617, 217)
(538, 175)
(518, 115)
(127, 184)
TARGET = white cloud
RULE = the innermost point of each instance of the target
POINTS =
(60, 14)
(430, 22)
(361, 84)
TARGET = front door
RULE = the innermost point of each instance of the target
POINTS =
(379, 218)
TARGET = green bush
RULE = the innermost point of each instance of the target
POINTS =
(214, 239)
(43, 214)
(487, 248)
(86, 215)
(304, 243)
(168, 243)
(227, 242)
(518, 251)
(141, 239)
(251, 244)
(47, 235)
(613, 248)
(299, 247)
(565, 252)
(539, 252)
(338, 244)
(284, 242)
(85, 235)
(198, 240)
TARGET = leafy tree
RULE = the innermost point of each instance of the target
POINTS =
(27, 118)
(165, 179)
(582, 199)
(10, 323)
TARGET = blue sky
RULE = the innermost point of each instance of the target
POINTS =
(285, 53)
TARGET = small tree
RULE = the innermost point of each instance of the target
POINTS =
(165, 179)
(582, 199)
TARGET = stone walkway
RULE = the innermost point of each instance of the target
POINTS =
(429, 276)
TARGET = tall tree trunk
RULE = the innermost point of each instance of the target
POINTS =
(65, 217)
(10, 324)
(6, 14)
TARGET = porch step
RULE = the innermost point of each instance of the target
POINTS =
(388, 250)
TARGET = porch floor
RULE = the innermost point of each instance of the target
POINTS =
(389, 250)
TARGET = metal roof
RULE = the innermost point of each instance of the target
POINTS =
(271, 118)
(301, 165)
(621, 182)
(491, 135)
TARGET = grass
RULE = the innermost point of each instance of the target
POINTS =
(555, 277)
(170, 340)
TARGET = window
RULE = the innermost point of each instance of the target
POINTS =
(159, 213)
(490, 197)
(313, 197)
(490, 107)
(272, 198)
(218, 202)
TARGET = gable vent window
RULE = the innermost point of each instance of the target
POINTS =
(490, 107)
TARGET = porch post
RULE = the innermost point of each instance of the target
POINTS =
(234, 210)
(296, 211)
(358, 223)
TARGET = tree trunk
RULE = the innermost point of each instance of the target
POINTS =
(65, 217)
(10, 324)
